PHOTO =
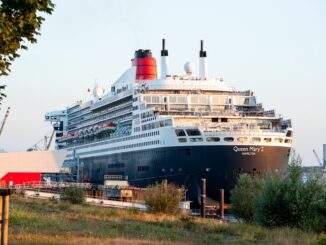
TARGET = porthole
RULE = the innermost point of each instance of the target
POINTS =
(256, 139)
(267, 140)
(196, 139)
(242, 139)
(228, 139)
(213, 139)
(182, 140)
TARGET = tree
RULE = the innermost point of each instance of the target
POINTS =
(290, 201)
(277, 199)
(20, 22)
(243, 197)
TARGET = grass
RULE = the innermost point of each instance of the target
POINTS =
(52, 222)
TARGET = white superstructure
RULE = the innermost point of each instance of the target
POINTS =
(143, 117)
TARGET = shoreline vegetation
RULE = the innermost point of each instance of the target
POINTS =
(58, 222)
(278, 200)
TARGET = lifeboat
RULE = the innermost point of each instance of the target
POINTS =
(69, 136)
(110, 126)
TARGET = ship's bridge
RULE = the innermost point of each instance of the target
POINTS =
(55, 116)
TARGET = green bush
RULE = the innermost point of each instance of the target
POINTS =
(270, 207)
(289, 201)
(73, 195)
(315, 201)
(243, 197)
(282, 200)
(162, 198)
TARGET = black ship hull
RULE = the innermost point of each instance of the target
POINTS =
(220, 165)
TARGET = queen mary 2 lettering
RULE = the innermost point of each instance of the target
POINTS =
(252, 150)
(175, 127)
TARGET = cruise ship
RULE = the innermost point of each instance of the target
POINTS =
(176, 127)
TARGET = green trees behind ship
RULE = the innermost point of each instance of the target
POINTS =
(282, 200)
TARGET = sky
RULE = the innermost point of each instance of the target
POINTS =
(276, 48)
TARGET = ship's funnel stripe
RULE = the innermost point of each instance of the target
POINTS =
(145, 68)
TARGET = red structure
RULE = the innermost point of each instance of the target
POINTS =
(20, 178)
(145, 65)
(17, 168)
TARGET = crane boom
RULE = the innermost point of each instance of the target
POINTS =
(50, 140)
(317, 157)
(4, 120)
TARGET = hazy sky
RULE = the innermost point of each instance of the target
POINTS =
(276, 48)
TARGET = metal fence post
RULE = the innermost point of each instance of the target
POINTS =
(1, 223)
(4, 193)
(203, 197)
(165, 184)
(222, 203)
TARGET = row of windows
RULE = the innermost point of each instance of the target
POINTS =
(190, 132)
(111, 101)
(239, 139)
(149, 119)
(147, 114)
(162, 123)
(139, 136)
(200, 99)
(182, 140)
(149, 143)
(149, 134)
(105, 113)
(122, 115)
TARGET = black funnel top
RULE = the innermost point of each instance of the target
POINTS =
(164, 52)
(141, 53)
(202, 53)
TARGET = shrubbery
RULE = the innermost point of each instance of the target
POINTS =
(242, 197)
(162, 198)
(276, 200)
(73, 195)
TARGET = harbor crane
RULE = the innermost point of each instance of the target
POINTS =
(317, 157)
(47, 140)
(320, 161)
(4, 120)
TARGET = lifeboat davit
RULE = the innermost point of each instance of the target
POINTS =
(91, 131)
